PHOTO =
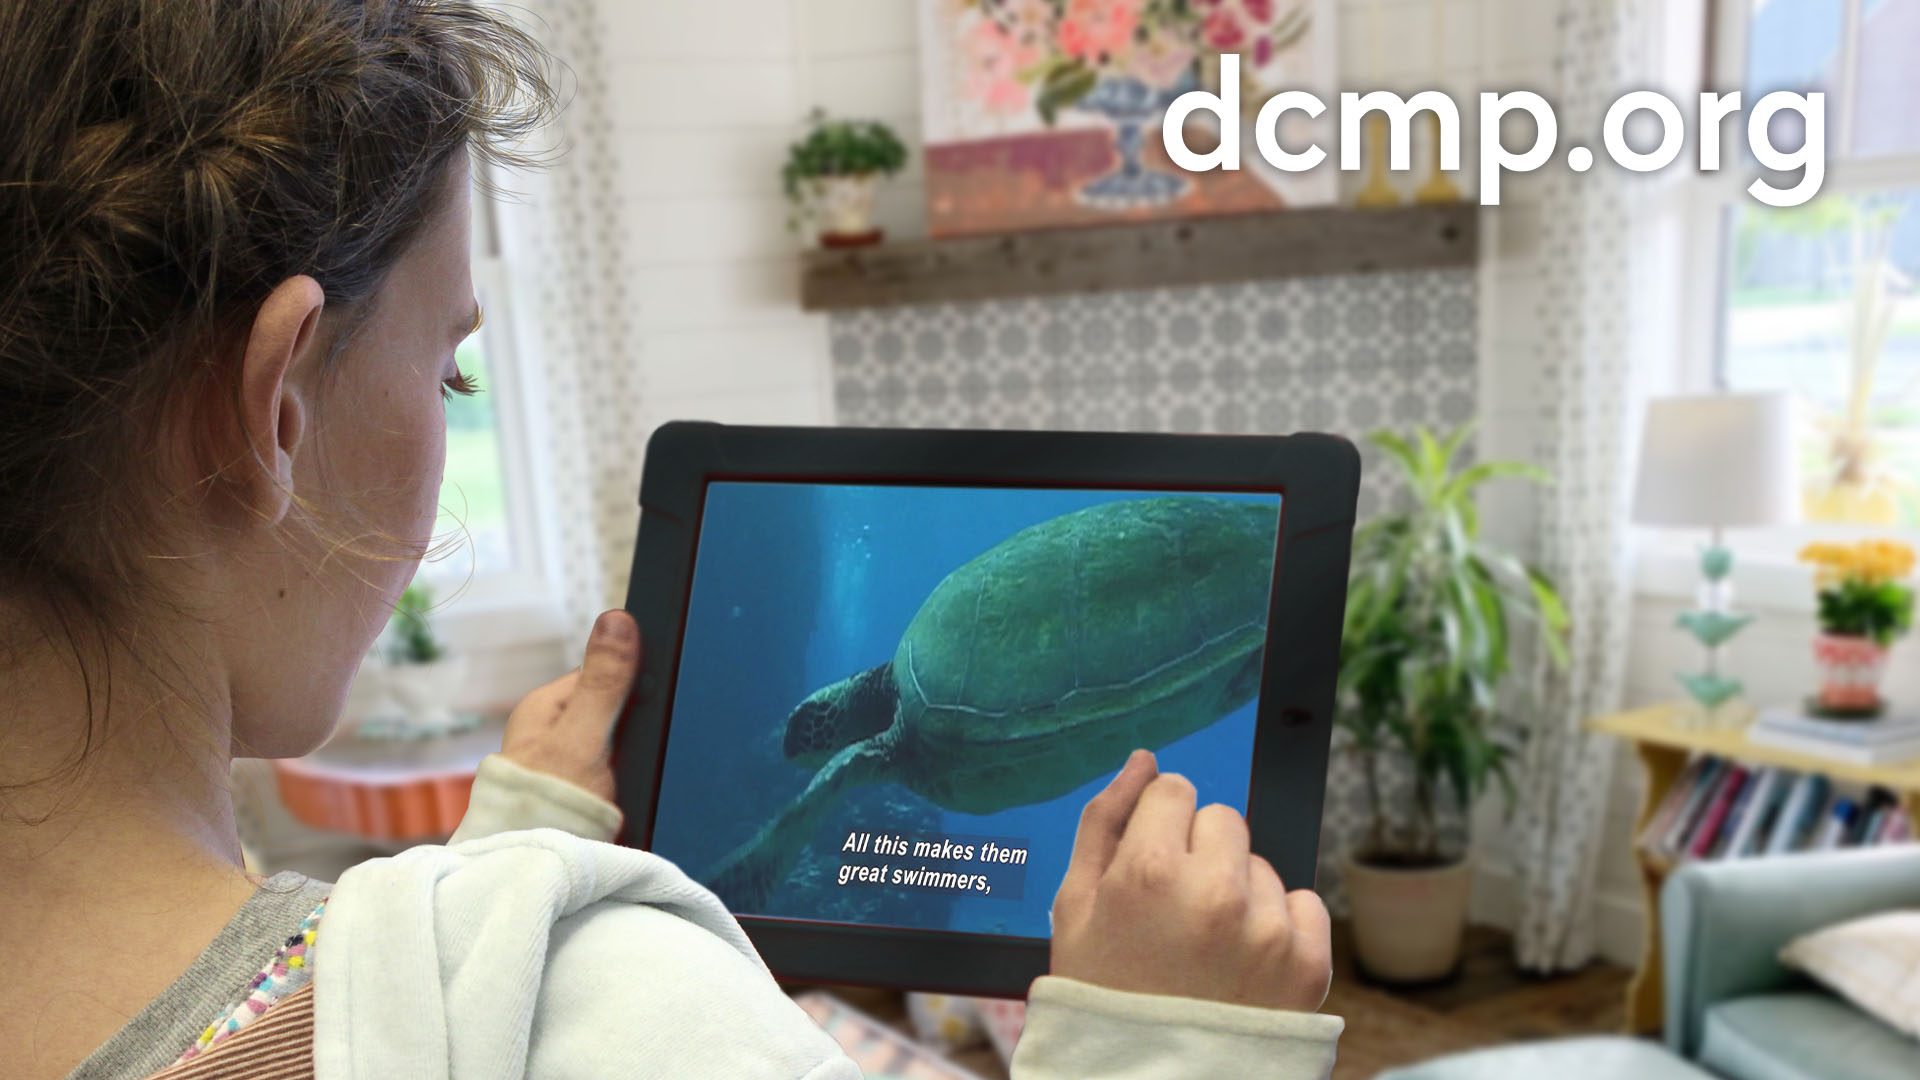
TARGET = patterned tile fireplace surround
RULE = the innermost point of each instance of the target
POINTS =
(1344, 354)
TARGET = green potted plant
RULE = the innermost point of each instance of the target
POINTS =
(1864, 608)
(420, 678)
(410, 636)
(1430, 613)
(831, 174)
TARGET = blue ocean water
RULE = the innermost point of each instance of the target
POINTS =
(797, 586)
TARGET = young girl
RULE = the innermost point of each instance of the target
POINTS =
(233, 276)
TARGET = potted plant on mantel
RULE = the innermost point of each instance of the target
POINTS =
(831, 175)
(1863, 608)
(1430, 609)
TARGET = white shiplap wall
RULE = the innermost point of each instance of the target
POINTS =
(706, 97)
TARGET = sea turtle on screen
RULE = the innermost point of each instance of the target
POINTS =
(1036, 667)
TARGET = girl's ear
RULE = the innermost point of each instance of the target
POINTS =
(273, 405)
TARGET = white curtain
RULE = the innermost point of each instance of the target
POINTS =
(1586, 281)
(575, 327)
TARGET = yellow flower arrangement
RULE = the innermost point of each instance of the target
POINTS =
(1859, 591)
(1867, 561)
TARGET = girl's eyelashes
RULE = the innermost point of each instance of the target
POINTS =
(461, 383)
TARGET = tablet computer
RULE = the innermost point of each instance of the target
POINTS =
(886, 669)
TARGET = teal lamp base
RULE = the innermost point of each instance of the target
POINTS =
(1712, 704)
(1714, 698)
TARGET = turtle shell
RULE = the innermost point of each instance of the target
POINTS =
(1036, 666)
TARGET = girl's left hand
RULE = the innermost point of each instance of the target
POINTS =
(562, 728)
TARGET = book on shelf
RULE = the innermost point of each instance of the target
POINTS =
(1797, 720)
(1726, 795)
(1832, 832)
(1799, 815)
(1744, 810)
(1699, 799)
(1855, 742)
(1760, 807)
(1867, 755)
(1675, 801)
(1718, 808)
(1866, 826)
(1873, 813)
(1898, 829)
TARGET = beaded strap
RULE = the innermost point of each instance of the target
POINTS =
(282, 975)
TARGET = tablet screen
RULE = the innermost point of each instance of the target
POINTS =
(893, 701)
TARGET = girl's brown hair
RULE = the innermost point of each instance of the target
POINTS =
(164, 164)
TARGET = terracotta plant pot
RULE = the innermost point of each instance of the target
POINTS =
(845, 207)
(1407, 923)
(1850, 670)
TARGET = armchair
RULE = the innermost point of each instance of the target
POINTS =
(1733, 1008)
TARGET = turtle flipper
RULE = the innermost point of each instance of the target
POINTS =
(835, 717)
(747, 877)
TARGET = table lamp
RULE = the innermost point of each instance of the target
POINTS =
(1716, 462)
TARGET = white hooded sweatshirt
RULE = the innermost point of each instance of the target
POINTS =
(544, 954)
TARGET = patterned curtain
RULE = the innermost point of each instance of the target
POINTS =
(1585, 254)
(574, 325)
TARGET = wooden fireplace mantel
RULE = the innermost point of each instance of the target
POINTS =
(1197, 251)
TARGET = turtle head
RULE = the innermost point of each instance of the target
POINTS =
(835, 717)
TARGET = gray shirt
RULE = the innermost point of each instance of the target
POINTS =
(211, 986)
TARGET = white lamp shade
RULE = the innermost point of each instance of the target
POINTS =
(1718, 461)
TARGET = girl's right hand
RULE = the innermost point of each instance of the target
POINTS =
(1163, 899)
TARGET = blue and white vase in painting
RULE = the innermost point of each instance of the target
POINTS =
(1135, 108)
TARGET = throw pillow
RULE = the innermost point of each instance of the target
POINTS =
(1873, 962)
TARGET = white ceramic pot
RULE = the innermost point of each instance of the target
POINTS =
(1407, 924)
(421, 697)
(845, 207)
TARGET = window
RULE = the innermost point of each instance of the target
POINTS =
(473, 492)
(1824, 299)
(487, 569)
(1819, 301)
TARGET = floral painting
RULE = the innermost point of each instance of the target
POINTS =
(1042, 113)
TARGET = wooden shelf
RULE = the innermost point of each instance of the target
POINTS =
(1197, 251)
(1655, 725)
(1664, 747)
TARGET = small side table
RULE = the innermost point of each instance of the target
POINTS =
(387, 790)
(1664, 747)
